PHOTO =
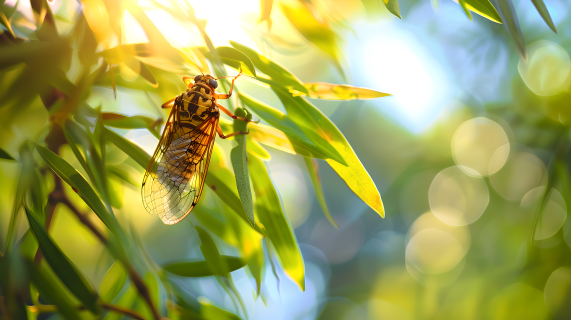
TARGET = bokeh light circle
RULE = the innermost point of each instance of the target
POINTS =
(557, 293)
(522, 172)
(474, 143)
(553, 214)
(456, 198)
(546, 71)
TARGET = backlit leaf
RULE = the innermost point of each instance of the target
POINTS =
(270, 212)
(298, 138)
(393, 7)
(483, 8)
(214, 260)
(113, 282)
(63, 267)
(328, 91)
(131, 149)
(201, 268)
(126, 301)
(72, 177)
(155, 289)
(266, 12)
(210, 311)
(236, 59)
(313, 122)
(239, 163)
(542, 9)
(271, 68)
(312, 169)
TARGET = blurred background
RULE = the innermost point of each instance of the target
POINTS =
(470, 155)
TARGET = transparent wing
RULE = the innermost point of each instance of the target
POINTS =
(175, 177)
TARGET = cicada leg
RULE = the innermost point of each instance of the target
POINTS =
(233, 116)
(223, 136)
(229, 94)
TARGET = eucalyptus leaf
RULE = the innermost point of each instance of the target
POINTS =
(328, 91)
(236, 59)
(195, 269)
(393, 7)
(483, 8)
(542, 9)
(270, 212)
(72, 177)
(132, 150)
(312, 169)
(511, 22)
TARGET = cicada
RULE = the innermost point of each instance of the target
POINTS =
(175, 176)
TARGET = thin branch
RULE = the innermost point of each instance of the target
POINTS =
(124, 311)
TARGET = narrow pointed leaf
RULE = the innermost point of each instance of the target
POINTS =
(271, 68)
(196, 269)
(393, 7)
(257, 266)
(483, 8)
(131, 149)
(511, 22)
(48, 287)
(72, 177)
(126, 301)
(542, 9)
(312, 169)
(210, 311)
(5, 155)
(258, 150)
(296, 135)
(214, 261)
(113, 282)
(313, 122)
(117, 120)
(239, 163)
(328, 91)
(155, 289)
(236, 59)
(63, 267)
(271, 215)
(266, 12)
(465, 8)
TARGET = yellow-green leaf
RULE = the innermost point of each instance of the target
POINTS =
(313, 122)
(484, 8)
(328, 91)
(131, 149)
(512, 24)
(393, 7)
(196, 269)
(270, 212)
(113, 282)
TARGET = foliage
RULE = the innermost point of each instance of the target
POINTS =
(67, 64)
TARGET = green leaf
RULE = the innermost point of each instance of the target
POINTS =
(131, 149)
(126, 301)
(270, 212)
(316, 32)
(542, 9)
(210, 311)
(117, 120)
(312, 169)
(512, 24)
(328, 91)
(238, 155)
(155, 292)
(484, 8)
(5, 155)
(393, 7)
(319, 128)
(63, 267)
(257, 266)
(236, 60)
(271, 68)
(48, 287)
(196, 269)
(298, 138)
(465, 8)
(72, 177)
(214, 260)
(221, 180)
(113, 282)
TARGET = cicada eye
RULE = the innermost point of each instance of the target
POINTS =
(213, 83)
(197, 78)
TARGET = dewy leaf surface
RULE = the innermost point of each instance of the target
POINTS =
(63, 267)
(328, 91)
(270, 212)
(313, 122)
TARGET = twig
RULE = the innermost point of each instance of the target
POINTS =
(124, 311)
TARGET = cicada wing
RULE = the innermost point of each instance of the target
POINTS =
(175, 177)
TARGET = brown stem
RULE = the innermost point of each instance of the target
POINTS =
(143, 290)
(124, 311)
